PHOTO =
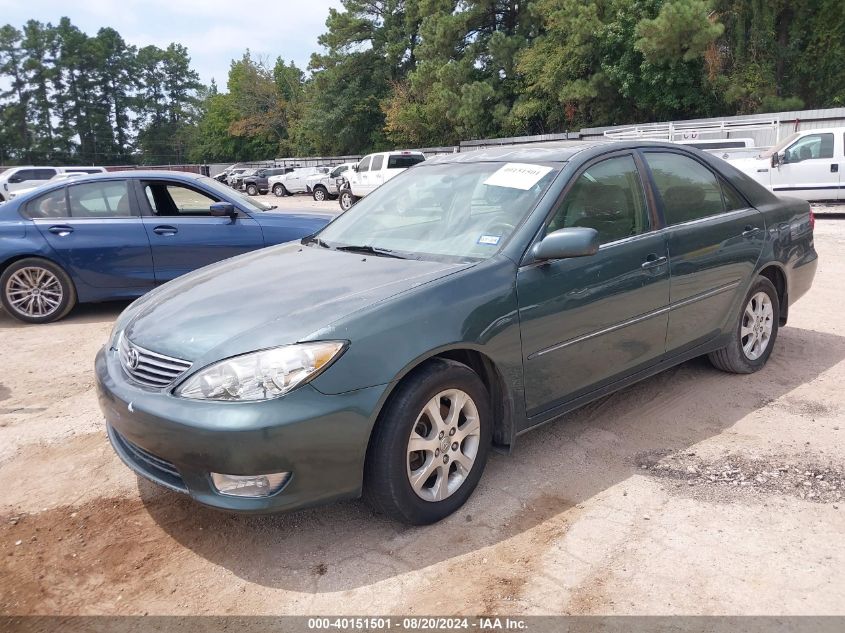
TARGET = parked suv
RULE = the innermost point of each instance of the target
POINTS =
(325, 186)
(294, 181)
(28, 177)
(374, 170)
(258, 183)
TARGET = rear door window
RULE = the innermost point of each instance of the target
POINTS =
(48, 205)
(377, 162)
(100, 200)
(43, 174)
(688, 189)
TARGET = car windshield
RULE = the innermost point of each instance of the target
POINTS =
(250, 203)
(463, 211)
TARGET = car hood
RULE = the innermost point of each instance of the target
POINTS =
(270, 297)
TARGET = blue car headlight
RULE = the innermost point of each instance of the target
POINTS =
(262, 375)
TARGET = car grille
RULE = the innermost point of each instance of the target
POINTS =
(146, 464)
(149, 368)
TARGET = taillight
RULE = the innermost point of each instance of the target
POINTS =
(812, 219)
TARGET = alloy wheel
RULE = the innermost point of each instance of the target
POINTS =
(34, 292)
(443, 445)
(319, 194)
(756, 329)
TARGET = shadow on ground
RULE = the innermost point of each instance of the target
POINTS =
(552, 469)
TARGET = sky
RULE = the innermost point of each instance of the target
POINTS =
(214, 31)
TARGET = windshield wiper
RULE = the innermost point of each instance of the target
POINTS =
(315, 240)
(370, 250)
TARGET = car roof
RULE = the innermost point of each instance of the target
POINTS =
(553, 151)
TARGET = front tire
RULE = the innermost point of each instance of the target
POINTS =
(251, 190)
(320, 194)
(346, 199)
(754, 335)
(430, 444)
(279, 190)
(35, 290)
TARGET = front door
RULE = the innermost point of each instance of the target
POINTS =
(97, 234)
(715, 240)
(184, 235)
(362, 178)
(809, 169)
(588, 321)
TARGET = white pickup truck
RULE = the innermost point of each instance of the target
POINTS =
(374, 170)
(807, 165)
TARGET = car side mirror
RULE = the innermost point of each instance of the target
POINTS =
(223, 209)
(576, 241)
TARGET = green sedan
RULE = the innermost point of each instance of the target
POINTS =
(463, 303)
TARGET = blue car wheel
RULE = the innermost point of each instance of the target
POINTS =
(36, 290)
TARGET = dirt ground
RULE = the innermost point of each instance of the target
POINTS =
(693, 492)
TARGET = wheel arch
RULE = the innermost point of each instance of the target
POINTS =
(777, 276)
(502, 401)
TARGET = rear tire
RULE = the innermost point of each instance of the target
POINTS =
(430, 444)
(35, 290)
(755, 332)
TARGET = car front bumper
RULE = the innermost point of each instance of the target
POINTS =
(177, 442)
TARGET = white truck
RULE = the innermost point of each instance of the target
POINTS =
(807, 165)
(325, 186)
(374, 170)
(28, 177)
(293, 181)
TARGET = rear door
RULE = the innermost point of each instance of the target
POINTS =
(715, 239)
(97, 233)
(377, 171)
(184, 235)
(810, 168)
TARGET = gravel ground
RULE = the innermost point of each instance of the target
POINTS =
(693, 492)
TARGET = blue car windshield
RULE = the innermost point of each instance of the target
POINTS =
(454, 210)
(249, 203)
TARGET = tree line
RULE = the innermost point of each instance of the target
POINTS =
(419, 73)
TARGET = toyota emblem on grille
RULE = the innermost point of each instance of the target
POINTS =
(132, 358)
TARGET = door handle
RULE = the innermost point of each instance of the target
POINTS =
(652, 261)
(61, 230)
(749, 230)
(834, 168)
(165, 230)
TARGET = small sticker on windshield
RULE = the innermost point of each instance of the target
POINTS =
(490, 240)
(518, 175)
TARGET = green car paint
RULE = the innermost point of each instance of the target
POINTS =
(546, 336)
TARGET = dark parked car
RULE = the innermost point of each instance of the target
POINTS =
(466, 301)
(257, 182)
(118, 235)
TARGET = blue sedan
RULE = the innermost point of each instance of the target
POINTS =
(121, 234)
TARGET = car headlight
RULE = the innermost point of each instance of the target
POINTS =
(262, 375)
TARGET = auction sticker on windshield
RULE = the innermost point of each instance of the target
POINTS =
(517, 175)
